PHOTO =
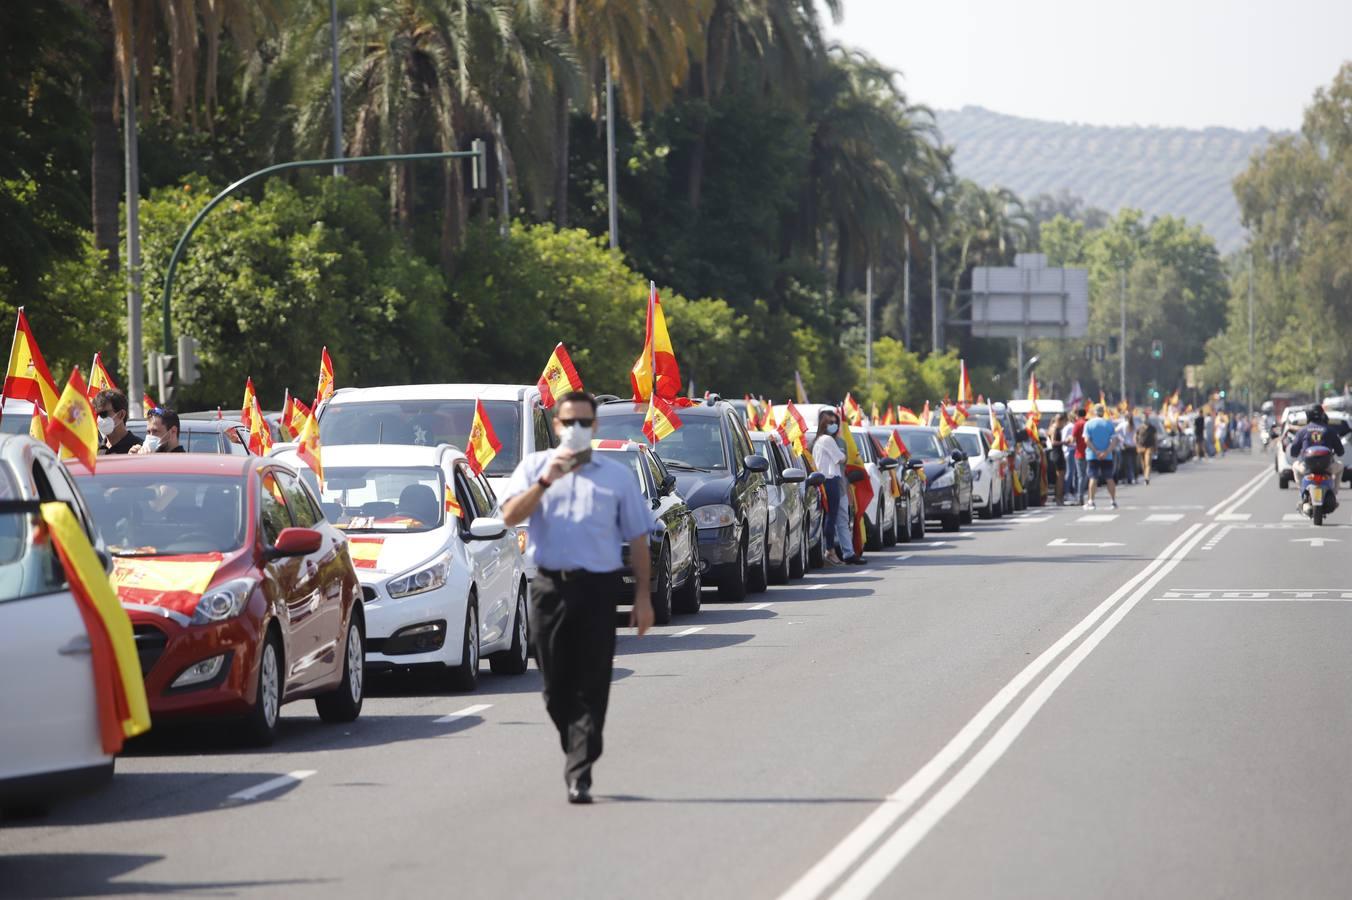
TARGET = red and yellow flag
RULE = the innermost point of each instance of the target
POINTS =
(1034, 414)
(896, 448)
(307, 440)
(907, 416)
(118, 686)
(655, 371)
(797, 428)
(862, 488)
(27, 377)
(148, 403)
(965, 395)
(999, 442)
(483, 443)
(946, 422)
(890, 417)
(99, 379)
(325, 389)
(37, 426)
(874, 416)
(753, 417)
(661, 420)
(854, 414)
(251, 414)
(559, 377)
(72, 426)
(453, 507)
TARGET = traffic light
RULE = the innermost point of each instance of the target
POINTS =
(1112, 345)
(187, 359)
(1222, 395)
(165, 373)
(1157, 349)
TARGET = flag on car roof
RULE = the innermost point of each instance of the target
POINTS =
(854, 414)
(896, 448)
(874, 417)
(964, 384)
(890, 417)
(251, 414)
(661, 420)
(907, 416)
(99, 379)
(1034, 414)
(753, 418)
(119, 687)
(483, 443)
(27, 377)
(37, 427)
(307, 439)
(798, 386)
(72, 427)
(453, 507)
(559, 377)
(655, 371)
(946, 421)
(925, 413)
(325, 389)
(999, 442)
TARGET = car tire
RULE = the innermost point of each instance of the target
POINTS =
(261, 724)
(465, 676)
(732, 587)
(873, 537)
(1283, 482)
(758, 578)
(782, 570)
(987, 511)
(816, 554)
(343, 703)
(968, 515)
(998, 507)
(662, 596)
(798, 563)
(904, 534)
(688, 599)
(918, 529)
(951, 522)
(516, 658)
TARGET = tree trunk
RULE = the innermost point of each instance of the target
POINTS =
(561, 114)
(105, 165)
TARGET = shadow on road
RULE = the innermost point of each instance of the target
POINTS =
(42, 875)
(752, 801)
(663, 643)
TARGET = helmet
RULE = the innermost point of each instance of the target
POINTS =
(1316, 415)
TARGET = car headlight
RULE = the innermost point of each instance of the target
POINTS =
(717, 515)
(427, 577)
(1167, 442)
(943, 481)
(223, 601)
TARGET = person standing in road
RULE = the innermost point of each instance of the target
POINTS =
(1199, 434)
(582, 509)
(1068, 447)
(1126, 439)
(1081, 461)
(1146, 437)
(1100, 441)
(111, 408)
(829, 459)
(1056, 455)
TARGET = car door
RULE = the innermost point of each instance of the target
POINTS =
(323, 574)
(750, 486)
(671, 511)
(293, 583)
(492, 559)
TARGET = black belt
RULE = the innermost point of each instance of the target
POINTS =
(571, 574)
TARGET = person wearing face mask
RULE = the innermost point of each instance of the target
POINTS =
(161, 433)
(581, 508)
(111, 408)
(829, 458)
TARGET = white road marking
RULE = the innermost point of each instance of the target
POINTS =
(819, 586)
(1220, 536)
(1062, 542)
(1295, 517)
(1197, 506)
(690, 630)
(272, 784)
(1241, 496)
(1234, 517)
(875, 870)
(1315, 542)
(759, 606)
(818, 879)
(1164, 517)
(1031, 519)
(1097, 517)
(463, 713)
(1279, 595)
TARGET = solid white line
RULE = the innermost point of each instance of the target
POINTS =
(839, 859)
(463, 713)
(875, 870)
(272, 784)
(688, 631)
(1251, 483)
(1164, 517)
(759, 606)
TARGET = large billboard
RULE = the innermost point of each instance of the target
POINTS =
(1029, 300)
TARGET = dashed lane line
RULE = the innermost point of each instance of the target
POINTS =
(1164, 517)
(759, 606)
(464, 713)
(271, 785)
(1097, 518)
(1234, 517)
(691, 630)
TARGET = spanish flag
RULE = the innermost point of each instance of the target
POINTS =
(661, 420)
(365, 551)
(890, 417)
(965, 396)
(251, 414)
(307, 441)
(655, 370)
(483, 443)
(559, 377)
(118, 686)
(325, 389)
(1034, 414)
(99, 379)
(71, 425)
(854, 414)
(907, 416)
(148, 403)
(896, 449)
(946, 422)
(797, 430)
(37, 427)
(453, 507)
(294, 414)
(873, 416)
(854, 462)
(753, 419)
(27, 377)
(1000, 442)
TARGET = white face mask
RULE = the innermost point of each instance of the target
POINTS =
(106, 425)
(150, 444)
(576, 438)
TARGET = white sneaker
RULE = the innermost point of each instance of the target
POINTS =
(1114, 504)
(1089, 504)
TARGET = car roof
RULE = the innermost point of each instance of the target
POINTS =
(612, 444)
(395, 456)
(467, 391)
(208, 464)
(974, 428)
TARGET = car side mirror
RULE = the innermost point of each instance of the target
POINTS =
(295, 542)
(957, 456)
(916, 464)
(816, 479)
(793, 475)
(667, 486)
(485, 528)
(887, 463)
(757, 463)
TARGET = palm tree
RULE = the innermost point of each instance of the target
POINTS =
(988, 226)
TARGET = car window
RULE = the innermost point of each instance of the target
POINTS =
(697, 444)
(424, 423)
(473, 498)
(272, 506)
(303, 511)
(28, 568)
(544, 434)
(741, 442)
(483, 493)
(384, 498)
(969, 443)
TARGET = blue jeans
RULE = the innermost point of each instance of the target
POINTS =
(1081, 478)
(844, 537)
(832, 486)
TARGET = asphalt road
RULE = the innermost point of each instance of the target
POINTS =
(1152, 702)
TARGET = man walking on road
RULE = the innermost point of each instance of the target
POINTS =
(1100, 440)
(582, 509)
(1081, 467)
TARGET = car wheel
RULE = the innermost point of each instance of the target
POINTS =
(516, 658)
(261, 724)
(687, 599)
(816, 554)
(873, 536)
(967, 515)
(343, 703)
(662, 596)
(904, 529)
(798, 565)
(918, 529)
(1283, 482)
(987, 511)
(465, 677)
(758, 579)
(951, 522)
(999, 507)
(779, 574)
(732, 587)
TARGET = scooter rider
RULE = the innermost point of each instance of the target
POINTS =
(1317, 433)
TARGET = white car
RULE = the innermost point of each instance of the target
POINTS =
(49, 744)
(443, 578)
(426, 415)
(988, 467)
(880, 520)
(16, 416)
(1294, 418)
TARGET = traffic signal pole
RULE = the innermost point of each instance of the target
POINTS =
(1122, 348)
(479, 154)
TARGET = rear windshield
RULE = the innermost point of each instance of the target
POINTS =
(165, 515)
(697, 444)
(424, 423)
(384, 499)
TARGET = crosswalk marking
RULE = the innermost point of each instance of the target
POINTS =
(1294, 517)
(1164, 517)
(1100, 517)
(1234, 517)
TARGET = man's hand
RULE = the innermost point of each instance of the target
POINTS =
(641, 616)
(560, 465)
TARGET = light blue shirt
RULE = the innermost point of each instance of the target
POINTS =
(586, 516)
(1098, 439)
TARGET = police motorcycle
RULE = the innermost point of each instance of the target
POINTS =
(1318, 485)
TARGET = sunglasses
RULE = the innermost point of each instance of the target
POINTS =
(584, 423)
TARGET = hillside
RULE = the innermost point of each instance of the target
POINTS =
(1160, 170)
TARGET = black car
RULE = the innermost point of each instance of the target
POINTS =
(948, 477)
(790, 487)
(1026, 459)
(1166, 447)
(911, 503)
(721, 477)
(674, 544)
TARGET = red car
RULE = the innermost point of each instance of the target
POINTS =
(242, 597)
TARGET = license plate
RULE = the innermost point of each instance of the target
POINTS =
(1316, 495)
(629, 579)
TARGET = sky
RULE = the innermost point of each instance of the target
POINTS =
(1190, 63)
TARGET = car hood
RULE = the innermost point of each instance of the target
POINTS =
(377, 556)
(172, 585)
(704, 488)
(933, 469)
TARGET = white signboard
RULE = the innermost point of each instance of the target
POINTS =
(1029, 300)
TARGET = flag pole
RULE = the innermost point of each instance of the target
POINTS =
(12, 340)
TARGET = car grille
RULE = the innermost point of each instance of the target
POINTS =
(150, 642)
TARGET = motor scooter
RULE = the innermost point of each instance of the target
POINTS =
(1318, 486)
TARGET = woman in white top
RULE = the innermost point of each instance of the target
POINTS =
(1126, 434)
(829, 459)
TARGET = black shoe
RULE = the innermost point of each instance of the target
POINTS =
(579, 793)
(855, 561)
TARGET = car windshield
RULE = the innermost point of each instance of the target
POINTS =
(970, 443)
(922, 443)
(384, 498)
(697, 445)
(151, 514)
(424, 423)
